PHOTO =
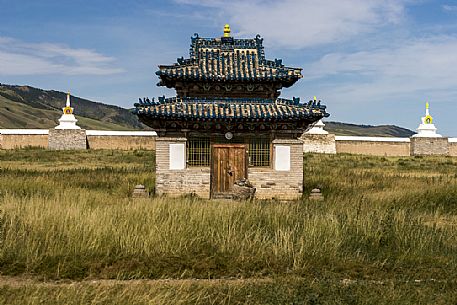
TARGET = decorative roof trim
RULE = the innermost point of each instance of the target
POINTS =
(239, 109)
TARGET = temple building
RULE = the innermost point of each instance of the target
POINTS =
(227, 124)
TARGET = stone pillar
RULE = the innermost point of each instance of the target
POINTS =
(319, 143)
(318, 140)
(67, 139)
(424, 146)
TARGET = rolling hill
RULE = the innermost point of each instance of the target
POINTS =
(345, 129)
(29, 107)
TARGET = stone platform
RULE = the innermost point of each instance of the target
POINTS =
(67, 139)
(422, 146)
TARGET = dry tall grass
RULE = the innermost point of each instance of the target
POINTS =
(69, 216)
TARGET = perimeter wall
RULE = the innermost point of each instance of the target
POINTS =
(95, 139)
(129, 140)
(380, 146)
(20, 138)
(374, 146)
(453, 147)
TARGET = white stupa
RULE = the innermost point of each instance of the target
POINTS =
(318, 127)
(67, 120)
(427, 129)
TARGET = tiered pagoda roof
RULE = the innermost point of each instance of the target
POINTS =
(227, 60)
(227, 66)
(242, 114)
(227, 83)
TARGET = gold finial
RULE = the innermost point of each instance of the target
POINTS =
(68, 109)
(428, 118)
(227, 30)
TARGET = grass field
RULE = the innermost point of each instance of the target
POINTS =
(71, 234)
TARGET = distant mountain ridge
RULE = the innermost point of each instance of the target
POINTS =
(345, 129)
(29, 107)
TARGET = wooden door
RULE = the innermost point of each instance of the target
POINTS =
(228, 165)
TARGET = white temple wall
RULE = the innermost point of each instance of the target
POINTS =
(21, 138)
(96, 139)
(452, 147)
(373, 146)
(128, 140)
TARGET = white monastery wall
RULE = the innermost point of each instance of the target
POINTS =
(126, 140)
(96, 139)
(452, 147)
(21, 138)
(374, 146)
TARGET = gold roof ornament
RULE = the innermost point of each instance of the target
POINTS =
(68, 109)
(227, 30)
(428, 119)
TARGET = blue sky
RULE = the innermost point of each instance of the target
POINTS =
(370, 61)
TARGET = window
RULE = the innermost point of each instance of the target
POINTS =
(198, 151)
(259, 152)
(282, 158)
(177, 156)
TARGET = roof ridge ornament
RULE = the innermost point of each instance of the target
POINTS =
(226, 30)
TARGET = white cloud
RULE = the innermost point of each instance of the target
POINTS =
(450, 8)
(419, 67)
(22, 58)
(303, 23)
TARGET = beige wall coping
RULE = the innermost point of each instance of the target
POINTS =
(371, 139)
(171, 139)
(24, 131)
(121, 133)
(88, 132)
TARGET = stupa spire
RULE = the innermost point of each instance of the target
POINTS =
(68, 99)
(428, 118)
